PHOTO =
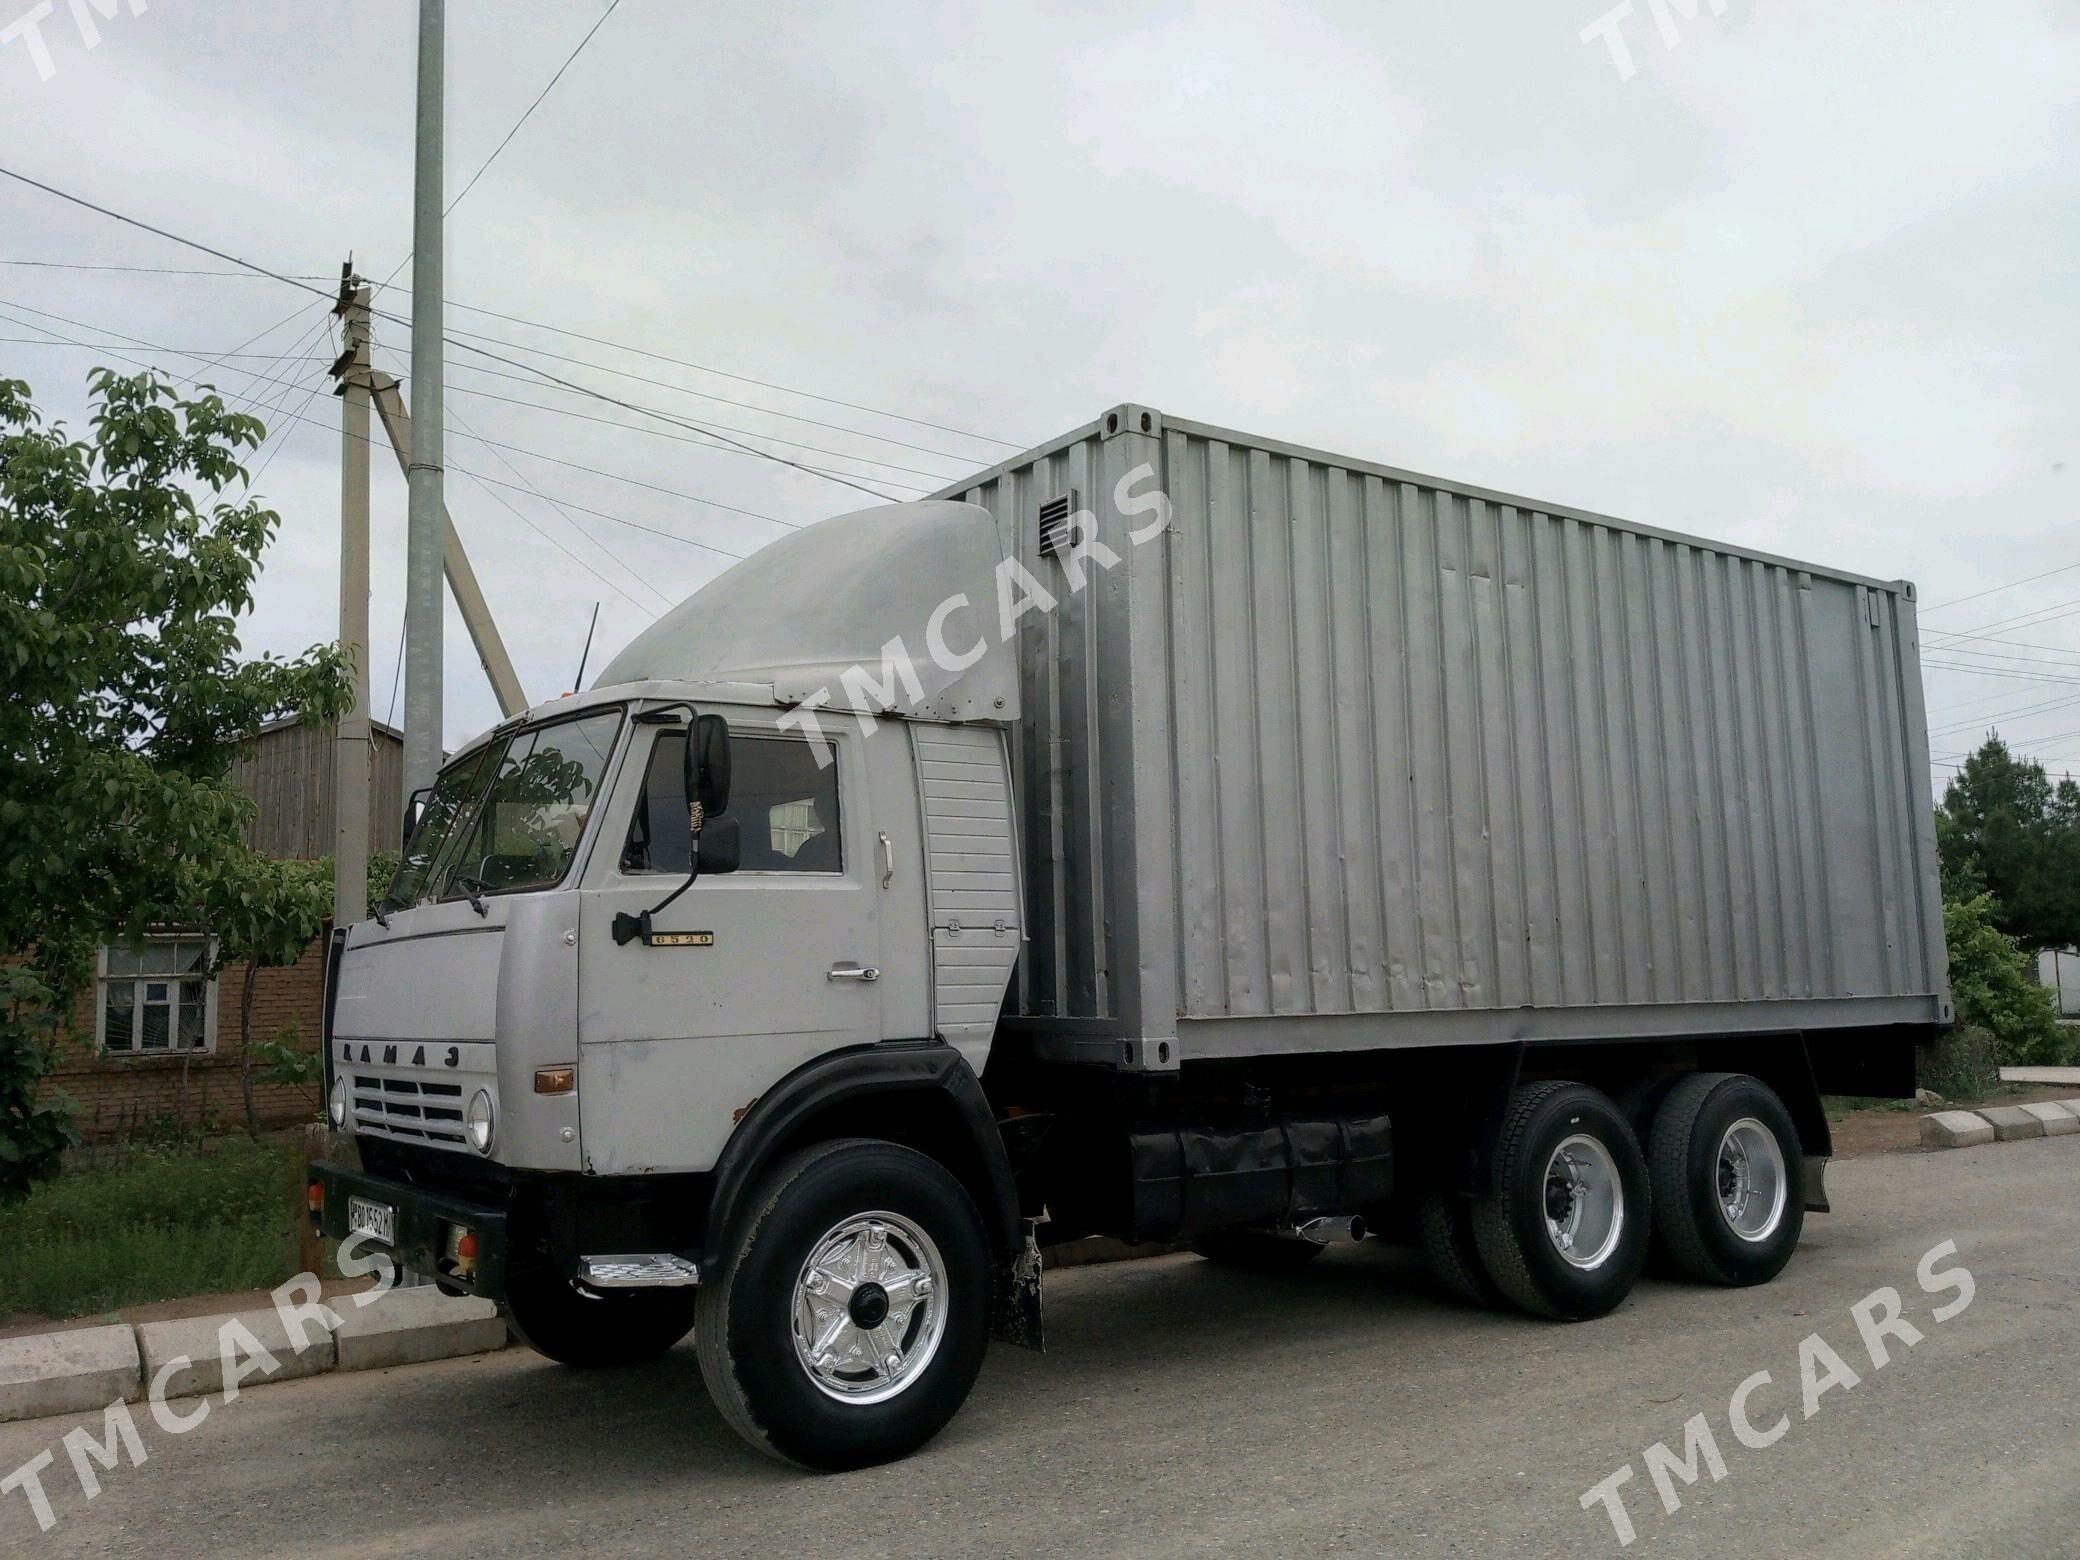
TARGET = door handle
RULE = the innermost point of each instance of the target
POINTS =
(860, 972)
(888, 861)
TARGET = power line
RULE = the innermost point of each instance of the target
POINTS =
(542, 374)
(525, 115)
(2023, 644)
(2026, 711)
(1989, 671)
(2001, 655)
(815, 449)
(253, 378)
(141, 270)
(650, 411)
(622, 346)
(750, 406)
(300, 349)
(568, 518)
(287, 434)
(175, 238)
(537, 103)
(496, 445)
(1995, 590)
(723, 373)
(670, 536)
(1979, 631)
(37, 341)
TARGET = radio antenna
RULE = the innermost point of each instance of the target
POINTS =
(578, 683)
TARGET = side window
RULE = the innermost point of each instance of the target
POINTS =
(785, 805)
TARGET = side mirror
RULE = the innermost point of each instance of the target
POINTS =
(719, 846)
(707, 748)
(414, 811)
(717, 842)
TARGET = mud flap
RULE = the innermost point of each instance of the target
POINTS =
(1816, 1184)
(1017, 1318)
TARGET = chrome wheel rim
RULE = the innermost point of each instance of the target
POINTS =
(1751, 1182)
(869, 1308)
(1585, 1202)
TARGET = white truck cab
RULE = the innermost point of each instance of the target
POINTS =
(501, 952)
(553, 1031)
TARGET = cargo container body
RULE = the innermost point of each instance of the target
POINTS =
(1440, 764)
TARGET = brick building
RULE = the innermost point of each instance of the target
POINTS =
(154, 1042)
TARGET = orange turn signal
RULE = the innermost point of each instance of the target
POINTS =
(466, 1247)
(555, 1080)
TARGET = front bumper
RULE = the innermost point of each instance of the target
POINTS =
(423, 1222)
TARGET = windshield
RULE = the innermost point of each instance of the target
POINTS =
(510, 815)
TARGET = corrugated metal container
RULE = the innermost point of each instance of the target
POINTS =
(1344, 756)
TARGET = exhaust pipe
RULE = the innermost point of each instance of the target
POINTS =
(1342, 1229)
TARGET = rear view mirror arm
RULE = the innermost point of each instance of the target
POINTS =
(628, 928)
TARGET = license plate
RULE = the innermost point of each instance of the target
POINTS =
(372, 1218)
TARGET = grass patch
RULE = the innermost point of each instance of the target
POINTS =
(1842, 1105)
(158, 1225)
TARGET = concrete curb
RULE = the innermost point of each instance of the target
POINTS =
(68, 1372)
(2003, 1123)
(88, 1368)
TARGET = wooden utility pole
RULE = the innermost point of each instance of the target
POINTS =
(353, 743)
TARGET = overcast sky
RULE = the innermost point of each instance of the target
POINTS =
(1803, 282)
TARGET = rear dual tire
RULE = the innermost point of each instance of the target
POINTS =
(1444, 1228)
(1729, 1180)
(1565, 1230)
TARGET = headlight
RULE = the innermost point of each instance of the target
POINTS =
(480, 1122)
(337, 1106)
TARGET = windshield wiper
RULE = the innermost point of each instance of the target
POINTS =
(473, 891)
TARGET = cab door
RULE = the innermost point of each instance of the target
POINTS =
(748, 974)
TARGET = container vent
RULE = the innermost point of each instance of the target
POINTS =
(1057, 532)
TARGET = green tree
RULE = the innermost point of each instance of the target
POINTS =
(266, 913)
(1989, 978)
(2005, 829)
(126, 560)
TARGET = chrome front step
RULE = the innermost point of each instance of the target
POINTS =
(639, 1270)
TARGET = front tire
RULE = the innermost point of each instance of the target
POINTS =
(1565, 1233)
(589, 1331)
(1729, 1180)
(850, 1320)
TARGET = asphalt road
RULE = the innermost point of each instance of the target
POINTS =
(1184, 1409)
